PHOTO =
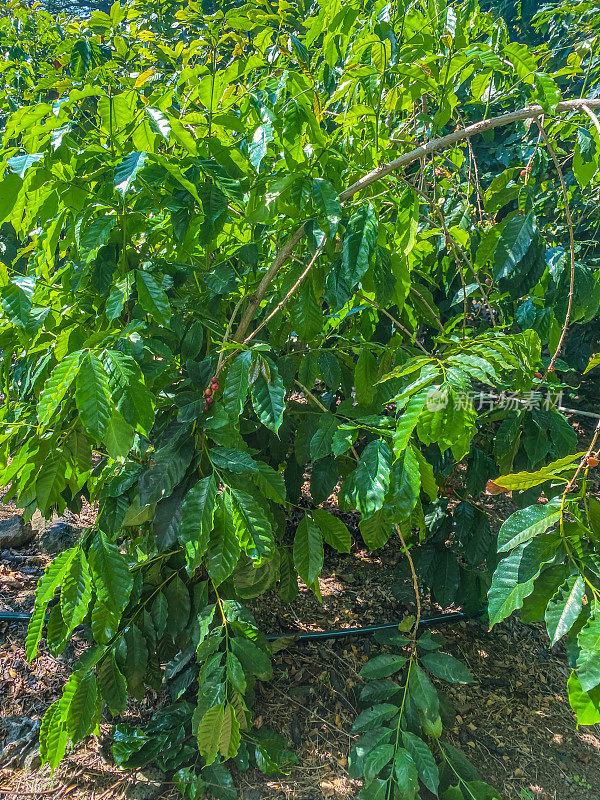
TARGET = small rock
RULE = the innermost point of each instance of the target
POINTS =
(19, 741)
(148, 785)
(14, 532)
(55, 535)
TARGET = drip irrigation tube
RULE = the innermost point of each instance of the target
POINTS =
(440, 619)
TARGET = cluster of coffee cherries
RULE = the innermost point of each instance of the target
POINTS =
(209, 392)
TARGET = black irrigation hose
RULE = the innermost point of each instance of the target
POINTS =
(15, 616)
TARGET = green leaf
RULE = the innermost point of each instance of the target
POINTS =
(585, 157)
(112, 685)
(126, 172)
(76, 591)
(223, 546)
(424, 761)
(110, 572)
(405, 772)
(593, 362)
(407, 422)
(118, 436)
(585, 704)
(330, 369)
(588, 660)
(181, 135)
(513, 244)
(365, 377)
(564, 607)
(16, 304)
(179, 605)
(372, 477)
(95, 236)
(20, 164)
(229, 740)
(257, 148)
(288, 578)
(236, 386)
(373, 717)
(307, 315)
(10, 187)
(548, 92)
(235, 673)
(118, 295)
(131, 396)
(320, 443)
(377, 760)
(359, 244)
(270, 482)
(308, 550)
(49, 581)
(56, 386)
(382, 666)
(251, 525)
(363, 746)
(514, 576)
(327, 201)
(254, 660)
(527, 480)
(53, 736)
(232, 460)
(268, 399)
(83, 709)
(214, 205)
(446, 668)
(405, 483)
(152, 297)
(376, 529)
(136, 660)
(91, 396)
(197, 516)
(522, 60)
(525, 524)
(335, 533)
(51, 481)
(209, 733)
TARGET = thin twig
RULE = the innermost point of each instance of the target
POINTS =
(228, 333)
(456, 248)
(592, 116)
(415, 581)
(435, 317)
(398, 324)
(563, 187)
(260, 292)
(583, 461)
(281, 304)
(320, 405)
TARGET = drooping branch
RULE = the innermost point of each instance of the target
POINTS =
(435, 145)
(443, 142)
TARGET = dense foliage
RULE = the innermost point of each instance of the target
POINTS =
(212, 287)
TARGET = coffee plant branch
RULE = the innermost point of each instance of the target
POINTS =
(441, 143)
(569, 218)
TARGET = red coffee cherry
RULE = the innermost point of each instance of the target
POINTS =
(538, 374)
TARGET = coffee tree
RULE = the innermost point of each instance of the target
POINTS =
(244, 246)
